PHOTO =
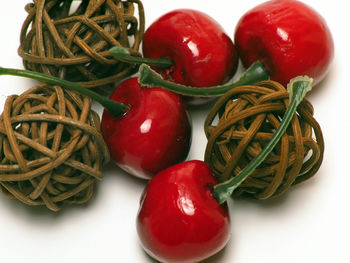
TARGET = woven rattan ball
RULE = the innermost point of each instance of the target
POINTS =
(51, 149)
(71, 39)
(242, 122)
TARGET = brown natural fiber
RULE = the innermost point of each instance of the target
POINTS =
(240, 125)
(51, 149)
(70, 39)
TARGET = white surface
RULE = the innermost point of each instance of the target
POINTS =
(309, 224)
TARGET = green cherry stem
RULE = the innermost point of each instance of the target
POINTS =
(113, 107)
(297, 88)
(255, 73)
(122, 54)
(148, 77)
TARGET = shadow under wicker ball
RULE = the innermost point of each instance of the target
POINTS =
(70, 39)
(242, 122)
(51, 148)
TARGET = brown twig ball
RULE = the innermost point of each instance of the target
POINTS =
(51, 148)
(71, 39)
(240, 125)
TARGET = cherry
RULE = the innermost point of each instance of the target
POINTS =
(154, 133)
(192, 47)
(179, 220)
(183, 215)
(201, 52)
(289, 37)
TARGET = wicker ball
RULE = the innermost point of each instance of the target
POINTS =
(71, 39)
(51, 149)
(240, 125)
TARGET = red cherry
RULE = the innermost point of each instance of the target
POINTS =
(201, 52)
(289, 37)
(179, 220)
(153, 134)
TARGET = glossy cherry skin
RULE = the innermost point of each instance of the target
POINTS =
(153, 134)
(179, 220)
(202, 53)
(289, 37)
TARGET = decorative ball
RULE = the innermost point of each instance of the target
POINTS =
(51, 149)
(243, 121)
(71, 39)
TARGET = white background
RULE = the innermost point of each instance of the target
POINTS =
(309, 224)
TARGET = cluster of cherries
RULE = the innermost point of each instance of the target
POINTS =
(179, 219)
(183, 216)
